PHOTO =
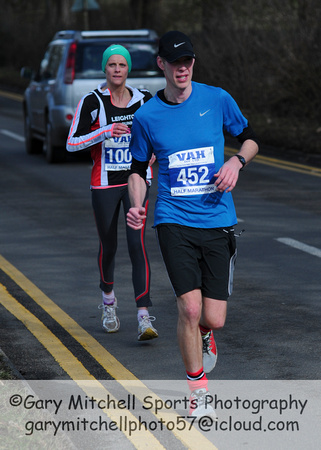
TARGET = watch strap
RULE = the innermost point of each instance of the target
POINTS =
(242, 160)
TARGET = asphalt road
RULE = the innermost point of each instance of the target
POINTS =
(48, 236)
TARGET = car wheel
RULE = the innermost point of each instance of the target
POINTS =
(33, 146)
(53, 154)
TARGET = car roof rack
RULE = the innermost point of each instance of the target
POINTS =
(73, 34)
(65, 34)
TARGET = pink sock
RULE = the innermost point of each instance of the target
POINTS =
(197, 380)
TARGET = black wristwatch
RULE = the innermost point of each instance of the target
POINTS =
(242, 160)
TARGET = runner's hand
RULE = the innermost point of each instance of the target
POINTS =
(136, 217)
(228, 175)
(119, 129)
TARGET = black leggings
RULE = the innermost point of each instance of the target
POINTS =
(106, 205)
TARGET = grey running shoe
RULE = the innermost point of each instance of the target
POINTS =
(146, 330)
(200, 404)
(209, 352)
(109, 319)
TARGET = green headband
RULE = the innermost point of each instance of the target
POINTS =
(116, 50)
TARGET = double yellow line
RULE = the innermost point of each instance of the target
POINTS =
(12, 96)
(281, 164)
(192, 439)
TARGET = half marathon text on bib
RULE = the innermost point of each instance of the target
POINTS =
(117, 154)
(192, 172)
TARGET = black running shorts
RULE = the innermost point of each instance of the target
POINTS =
(199, 258)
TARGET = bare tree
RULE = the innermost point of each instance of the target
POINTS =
(267, 53)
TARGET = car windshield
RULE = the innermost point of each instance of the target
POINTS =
(89, 56)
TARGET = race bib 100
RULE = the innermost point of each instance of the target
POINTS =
(192, 172)
(117, 154)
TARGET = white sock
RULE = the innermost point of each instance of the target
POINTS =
(108, 299)
(141, 313)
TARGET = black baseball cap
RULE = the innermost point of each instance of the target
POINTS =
(174, 44)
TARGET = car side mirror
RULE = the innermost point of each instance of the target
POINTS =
(27, 73)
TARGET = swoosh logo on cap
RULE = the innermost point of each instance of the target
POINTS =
(177, 45)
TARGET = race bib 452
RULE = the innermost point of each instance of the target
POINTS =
(192, 171)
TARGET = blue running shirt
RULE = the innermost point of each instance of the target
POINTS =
(188, 142)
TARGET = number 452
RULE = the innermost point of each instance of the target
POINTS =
(194, 175)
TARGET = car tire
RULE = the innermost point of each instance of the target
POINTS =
(33, 146)
(53, 154)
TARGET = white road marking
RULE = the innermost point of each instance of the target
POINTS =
(300, 246)
(13, 135)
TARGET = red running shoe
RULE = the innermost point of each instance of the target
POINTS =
(209, 352)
